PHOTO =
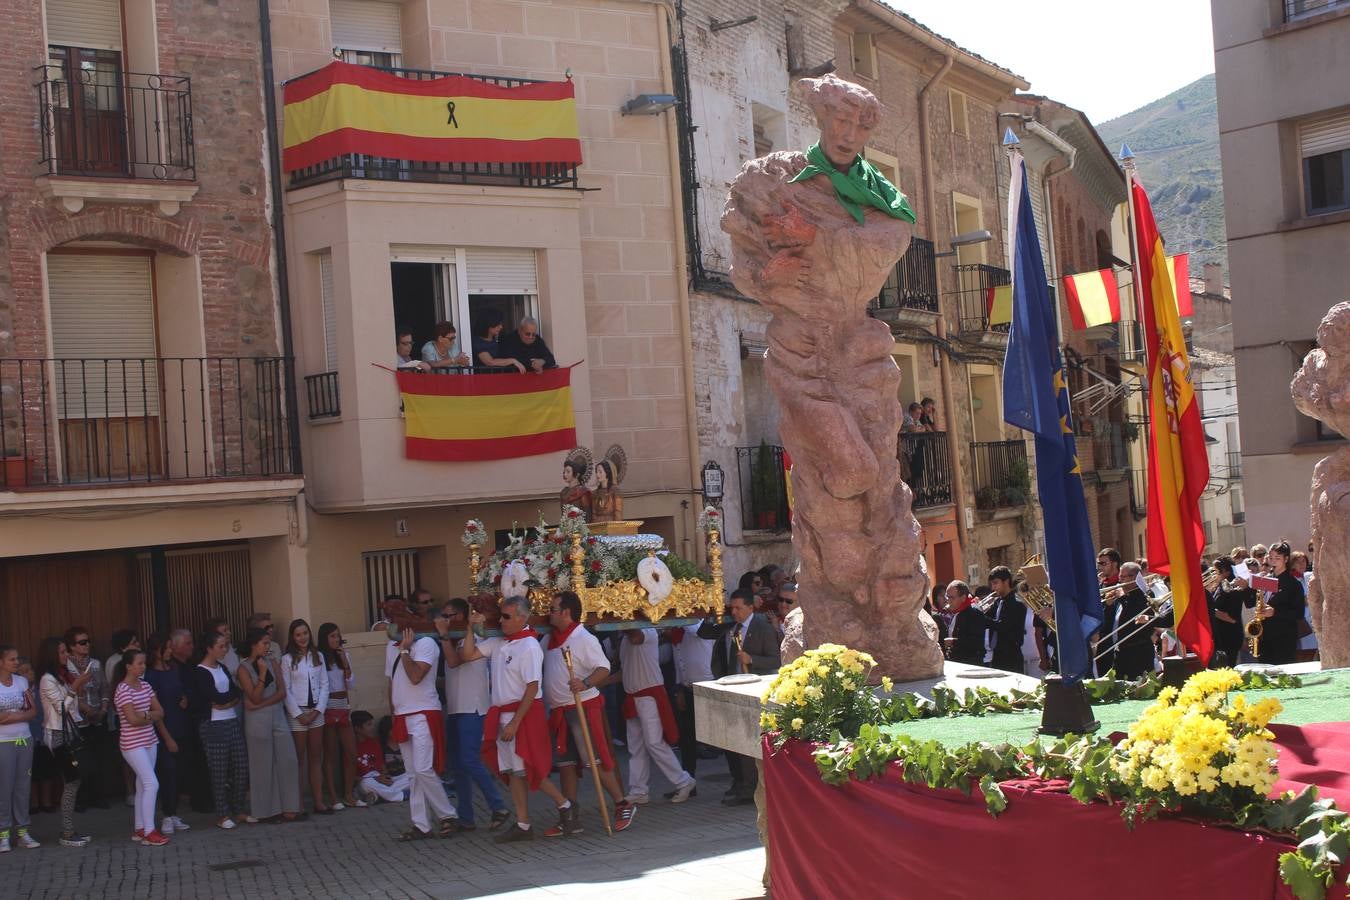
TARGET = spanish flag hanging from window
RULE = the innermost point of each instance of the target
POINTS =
(346, 109)
(460, 418)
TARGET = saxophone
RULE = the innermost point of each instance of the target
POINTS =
(1257, 626)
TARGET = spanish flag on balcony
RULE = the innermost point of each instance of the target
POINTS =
(348, 109)
(459, 418)
(1093, 298)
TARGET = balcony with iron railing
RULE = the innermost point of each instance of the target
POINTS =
(1001, 475)
(975, 285)
(1234, 462)
(1109, 451)
(102, 422)
(910, 295)
(926, 466)
(377, 168)
(763, 488)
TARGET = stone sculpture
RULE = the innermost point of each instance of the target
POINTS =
(1321, 390)
(814, 255)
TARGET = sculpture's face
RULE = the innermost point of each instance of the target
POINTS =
(843, 135)
(569, 477)
(1320, 386)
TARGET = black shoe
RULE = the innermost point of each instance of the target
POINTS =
(513, 834)
(737, 800)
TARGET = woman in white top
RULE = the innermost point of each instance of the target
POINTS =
(215, 701)
(337, 732)
(16, 751)
(306, 701)
(59, 690)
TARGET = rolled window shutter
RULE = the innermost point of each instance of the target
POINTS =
(92, 24)
(1325, 134)
(330, 354)
(102, 308)
(371, 25)
(498, 270)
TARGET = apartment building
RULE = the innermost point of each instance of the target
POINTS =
(376, 245)
(1283, 84)
(150, 467)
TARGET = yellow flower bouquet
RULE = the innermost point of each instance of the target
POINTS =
(1199, 750)
(821, 693)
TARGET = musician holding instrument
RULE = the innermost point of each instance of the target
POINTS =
(969, 625)
(1282, 611)
(1225, 611)
(1108, 567)
(1135, 652)
(1007, 623)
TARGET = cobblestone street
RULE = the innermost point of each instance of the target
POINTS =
(700, 848)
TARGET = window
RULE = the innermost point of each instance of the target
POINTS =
(864, 51)
(967, 216)
(884, 163)
(1303, 9)
(985, 400)
(447, 284)
(1309, 429)
(1324, 145)
(367, 32)
(770, 127)
(956, 103)
(389, 572)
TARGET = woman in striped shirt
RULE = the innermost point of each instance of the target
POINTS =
(139, 714)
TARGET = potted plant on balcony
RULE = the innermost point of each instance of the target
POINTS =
(766, 488)
(1018, 489)
(18, 468)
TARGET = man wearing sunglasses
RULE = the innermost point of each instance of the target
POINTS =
(93, 708)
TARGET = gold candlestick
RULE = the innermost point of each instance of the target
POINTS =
(578, 570)
(715, 561)
(474, 563)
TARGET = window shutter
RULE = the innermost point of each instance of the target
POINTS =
(421, 253)
(330, 355)
(102, 307)
(92, 24)
(498, 270)
(370, 25)
(1324, 134)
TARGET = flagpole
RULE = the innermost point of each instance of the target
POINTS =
(1127, 163)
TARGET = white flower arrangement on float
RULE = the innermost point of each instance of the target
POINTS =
(710, 519)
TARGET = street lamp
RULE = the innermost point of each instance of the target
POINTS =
(966, 239)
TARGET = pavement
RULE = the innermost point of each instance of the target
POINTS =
(695, 849)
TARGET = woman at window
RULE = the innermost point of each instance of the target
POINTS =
(60, 702)
(274, 775)
(215, 697)
(337, 732)
(306, 702)
(486, 346)
(443, 352)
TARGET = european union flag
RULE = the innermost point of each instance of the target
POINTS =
(1036, 399)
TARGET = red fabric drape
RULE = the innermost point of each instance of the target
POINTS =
(595, 712)
(435, 722)
(1315, 754)
(531, 742)
(886, 838)
(670, 730)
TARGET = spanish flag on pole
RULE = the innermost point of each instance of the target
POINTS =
(1178, 464)
(458, 418)
(344, 109)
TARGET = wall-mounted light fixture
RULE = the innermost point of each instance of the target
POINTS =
(649, 104)
(966, 239)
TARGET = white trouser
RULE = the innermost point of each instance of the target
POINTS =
(142, 762)
(426, 793)
(647, 744)
(390, 793)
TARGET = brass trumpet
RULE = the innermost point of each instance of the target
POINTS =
(1211, 579)
(985, 604)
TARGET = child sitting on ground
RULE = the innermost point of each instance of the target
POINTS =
(376, 779)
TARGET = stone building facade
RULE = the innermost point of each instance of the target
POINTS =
(142, 370)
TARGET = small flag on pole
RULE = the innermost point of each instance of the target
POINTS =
(1179, 268)
(998, 304)
(1093, 297)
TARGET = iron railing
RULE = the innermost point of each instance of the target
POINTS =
(1002, 478)
(1303, 9)
(322, 393)
(1108, 446)
(378, 168)
(1139, 492)
(111, 124)
(913, 282)
(102, 421)
(926, 466)
(974, 290)
(764, 502)
(1234, 461)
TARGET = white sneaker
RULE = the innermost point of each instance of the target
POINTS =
(682, 793)
(641, 800)
(26, 841)
(227, 824)
(179, 825)
(166, 829)
(4, 844)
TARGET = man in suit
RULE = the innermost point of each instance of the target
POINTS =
(1007, 623)
(758, 654)
(1134, 643)
(969, 625)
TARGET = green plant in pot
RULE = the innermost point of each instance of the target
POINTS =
(766, 488)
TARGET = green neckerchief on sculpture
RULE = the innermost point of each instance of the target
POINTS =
(861, 184)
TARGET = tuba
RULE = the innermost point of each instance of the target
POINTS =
(1033, 588)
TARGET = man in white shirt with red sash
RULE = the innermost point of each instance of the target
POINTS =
(515, 732)
(419, 730)
(651, 721)
(590, 667)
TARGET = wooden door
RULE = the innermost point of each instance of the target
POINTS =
(88, 114)
(45, 595)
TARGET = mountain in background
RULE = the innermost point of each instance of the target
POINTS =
(1176, 146)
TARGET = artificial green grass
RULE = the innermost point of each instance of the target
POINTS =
(1324, 697)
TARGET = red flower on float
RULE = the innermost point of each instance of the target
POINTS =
(595, 565)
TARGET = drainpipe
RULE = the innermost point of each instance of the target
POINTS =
(662, 12)
(279, 235)
(944, 364)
